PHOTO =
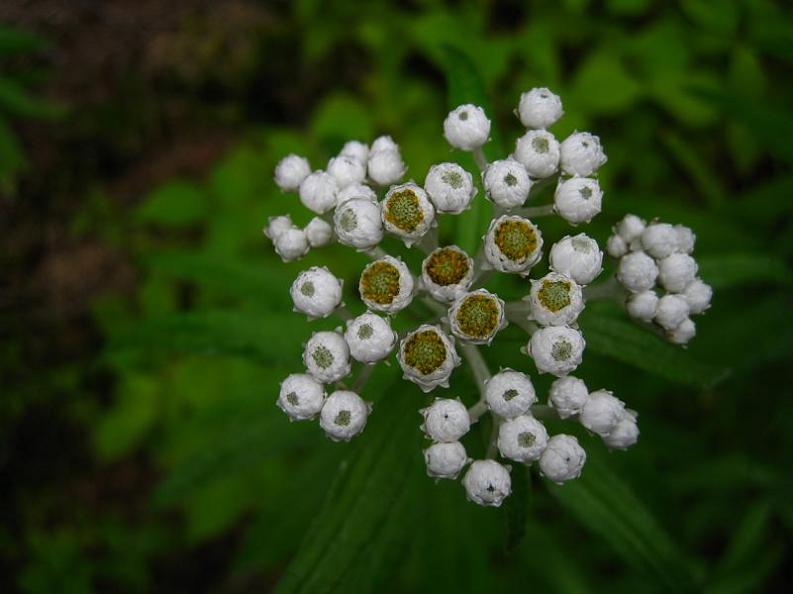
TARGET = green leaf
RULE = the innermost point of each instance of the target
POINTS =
(15, 41)
(15, 99)
(177, 203)
(602, 84)
(341, 117)
(732, 270)
(12, 157)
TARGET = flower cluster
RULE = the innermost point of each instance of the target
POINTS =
(361, 196)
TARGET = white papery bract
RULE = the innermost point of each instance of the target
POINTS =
(581, 154)
(672, 310)
(578, 200)
(539, 152)
(601, 412)
(683, 333)
(407, 212)
(358, 223)
(676, 272)
(642, 306)
(487, 483)
(446, 273)
(477, 316)
(385, 166)
(386, 285)
(301, 397)
(316, 292)
(557, 350)
(513, 244)
(466, 127)
(370, 338)
(579, 257)
(449, 187)
(616, 246)
(318, 192)
(630, 228)
(347, 170)
(427, 357)
(318, 232)
(507, 183)
(277, 226)
(659, 240)
(563, 459)
(327, 356)
(291, 244)
(356, 150)
(698, 295)
(355, 191)
(685, 239)
(445, 460)
(567, 396)
(556, 300)
(522, 439)
(624, 434)
(637, 272)
(343, 415)
(539, 108)
(383, 143)
(291, 171)
(446, 420)
(509, 393)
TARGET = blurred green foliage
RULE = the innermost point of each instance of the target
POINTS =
(693, 103)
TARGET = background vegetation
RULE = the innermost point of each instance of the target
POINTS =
(146, 323)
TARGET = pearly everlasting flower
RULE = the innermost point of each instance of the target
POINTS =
(659, 240)
(539, 152)
(449, 187)
(579, 257)
(477, 316)
(386, 285)
(445, 460)
(601, 412)
(616, 246)
(301, 397)
(447, 273)
(318, 232)
(487, 483)
(637, 272)
(562, 459)
(685, 239)
(370, 338)
(291, 171)
(347, 170)
(672, 311)
(277, 226)
(581, 154)
(383, 143)
(344, 415)
(513, 244)
(407, 212)
(642, 306)
(318, 192)
(327, 357)
(316, 292)
(507, 183)
(683, 333)
(676, 272)
(625, 434)
(556, 349)
(630, 228)
(567, 396)
(698, 295)
(358, 223)
(355, 191)
(509, 393)
(539, 108)
(385, 166)
(291, 245)
(427, 357)
(446, 420)
(356, 150)
(556, 300)
(522, 439)
(466, 127)
(578, 199)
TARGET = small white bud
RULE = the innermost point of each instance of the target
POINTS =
(556, 349)
(507, 183)
(383, 143)
(277, 226)
(685, 239)
(370, 338)
(316, 292)
(449, 187)
(672, 311)
(301, 396)
(616, 246)
(386, 285)
(385, 166)
(630, 228)
(539, 152)
(562, 459)
(642, 306)
(355, 191)
(327, 356)
(568, 395)
(355, 149)
(358, 223)
(407, 212)
(447, 273)
(676, 272)
(510, 393)
(625, 434)
(487, 483)
(522, 439)
(683, 333)
(466, 127)
(539, 108)
(445, 460)
(637, 272)
(582, 154)
(347, 170)
(292, 244)
(579, 257)
(446, 420)
(513, 244)
(601, 412)
(659, 240)
(344, 415)
(318, 192)
(477, 316)
(427, 357)
(291, 171)
(698, 294)
(578, 199)
(556, 300)
(318, 232)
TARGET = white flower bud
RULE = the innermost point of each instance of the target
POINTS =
(445, 420)
(601, 412)
(445, 460)
(385, 166)
(466, 127)
(316, 292)
(449, 187)
(292, 244)
(407, 212)
(513, 244)
(642, 306)
(327, 356)
(386, 285)
(676, 272)
(625, 434)
(347, 170)
(370, 338)
(383, 143)
(685, 239)
(579, 257)
(301, 397)
(522, 439)
(578, 199)
(683, 333)
(447, 273)
(477, 316)
(556, 349)
(427, 357)
(672, 310)
(355, 149)
(344, 415)
(659, 240)
(568, 395)
(318, 232)
(318, 192)
(510, 393)
(630, 228)
(507, 183)
(539, 108)
(277, 226)
(355, 191)
(637, 272)
(581, 154)
(698, 294)
(487, 483)
(290, 172)
(539, 152)
(358, 223)
(562, 459)
(556, 300)
(616, 246)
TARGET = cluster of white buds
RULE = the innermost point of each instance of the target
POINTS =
(362, 197)
(657, 268)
